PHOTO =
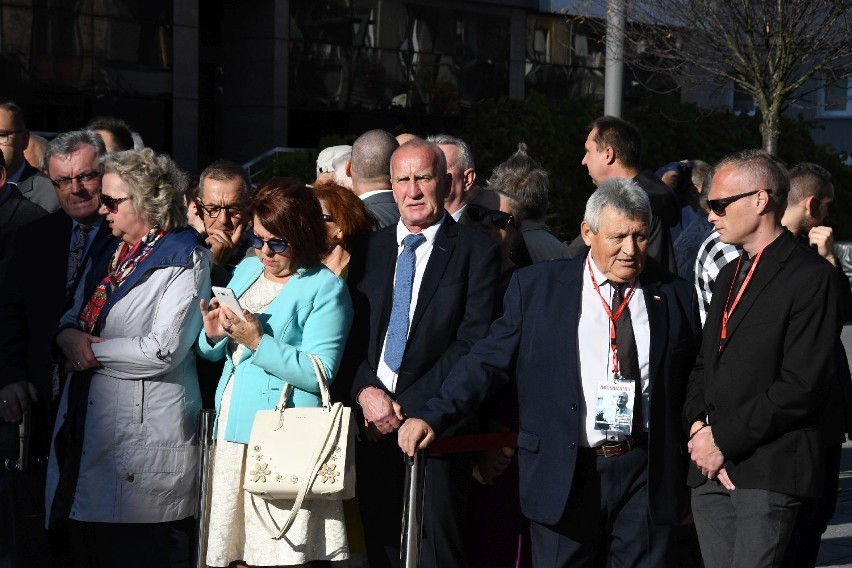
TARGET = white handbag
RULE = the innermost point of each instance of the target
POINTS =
(300, 453)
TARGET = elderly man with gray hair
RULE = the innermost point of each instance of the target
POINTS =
(575, 333)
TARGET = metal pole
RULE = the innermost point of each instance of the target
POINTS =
(412, 511)
(614, 57)
(205, 443)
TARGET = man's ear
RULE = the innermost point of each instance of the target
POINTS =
(349, 168)
(609, 152)
(469, 178)
(586, 233)
(2, 177)
(812, 206)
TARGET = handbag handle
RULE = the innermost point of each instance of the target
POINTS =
(287, 391)
(321, 453)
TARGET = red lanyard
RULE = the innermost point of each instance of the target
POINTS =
(729, 306)
(612, 317)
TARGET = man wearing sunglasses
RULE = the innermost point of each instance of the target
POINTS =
(223, 195)
(44, 271)
(756, 396)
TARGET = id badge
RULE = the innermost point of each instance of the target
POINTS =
(614, 406)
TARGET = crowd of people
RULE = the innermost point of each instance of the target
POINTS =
(668, 389)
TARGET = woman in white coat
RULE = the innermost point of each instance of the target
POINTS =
(123, 463)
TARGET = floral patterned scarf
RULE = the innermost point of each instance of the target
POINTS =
(123, 263)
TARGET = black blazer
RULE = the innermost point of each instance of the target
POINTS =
(454, 308)
(32, 299)
(536, 339)
(765, 389)
(383, 208)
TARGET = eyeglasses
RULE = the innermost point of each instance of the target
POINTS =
(214, 210)
(500, 219)
(112, 203)
(718, 206)
(275, 245)
(86, 178)
(327, 218)
(6, 134)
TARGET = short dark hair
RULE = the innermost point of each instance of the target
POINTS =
(808, 179)
(290, 210)
(621, 136)
(371, 155)
(121, 133)
(18, 116)
(224, 170)
(346, 210)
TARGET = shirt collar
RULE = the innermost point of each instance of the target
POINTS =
(600, 278)
(429, 232)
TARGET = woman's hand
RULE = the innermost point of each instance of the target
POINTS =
(76, 345)
(247, 332)
(211, 319)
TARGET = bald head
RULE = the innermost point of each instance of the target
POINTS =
(369, 165)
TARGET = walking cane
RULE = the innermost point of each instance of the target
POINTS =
(205, 442)
(412, 511)
(23, 462)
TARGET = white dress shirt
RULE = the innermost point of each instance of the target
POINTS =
(421, 254)
(594, 352)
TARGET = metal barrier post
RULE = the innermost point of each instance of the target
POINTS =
(412, 511)
(205, 443)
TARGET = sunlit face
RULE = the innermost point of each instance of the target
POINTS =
(740, 218)
(123, 220)
(226, 194)
(620, 246)
(460, 179)
(78, 199)
(419, 187)
(596, 160)
(275, 264)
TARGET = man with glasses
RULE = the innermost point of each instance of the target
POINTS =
(756, 396)
(44, 269)
(14, 139)
(223, 195)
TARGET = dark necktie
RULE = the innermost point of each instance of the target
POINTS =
(75, 255)
(398, 323)
(628, 354)
(745, 266)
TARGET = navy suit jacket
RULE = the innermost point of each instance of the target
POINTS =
(536, 339)
(455, 306)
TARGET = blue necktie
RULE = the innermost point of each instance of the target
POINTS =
(398, 324)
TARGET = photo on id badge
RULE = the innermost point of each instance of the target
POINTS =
(614, 408)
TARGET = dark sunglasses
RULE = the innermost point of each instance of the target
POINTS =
(718, 206)
(112, 203)
(500, 219)
(275, 245)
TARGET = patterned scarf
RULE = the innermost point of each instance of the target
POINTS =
(123, 263)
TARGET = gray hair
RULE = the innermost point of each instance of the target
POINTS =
(763, 171)
(155, 185)
(623, 195)
(524, 178)
(69, 142)
(465, 153)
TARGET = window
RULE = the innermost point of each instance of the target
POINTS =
(835, 99)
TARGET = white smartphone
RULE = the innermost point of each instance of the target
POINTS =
(227, 297)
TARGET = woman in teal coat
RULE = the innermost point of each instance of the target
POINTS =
(293, 307)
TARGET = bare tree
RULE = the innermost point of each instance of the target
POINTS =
(777, 51)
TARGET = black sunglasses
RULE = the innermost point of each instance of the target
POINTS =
(500, 219)
(112, 203)
(275, 245)
(718, 206)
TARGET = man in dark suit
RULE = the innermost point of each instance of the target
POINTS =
(759, 387)
(423, 290)
(14, 139)
(595, 493)
(33, 295)
(369, 168)
(15, 212)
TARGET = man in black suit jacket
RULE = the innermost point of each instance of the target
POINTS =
(452, 303)
(15, 212)
(369, 168)
(33, 295)
(758, 390)
(594, 495)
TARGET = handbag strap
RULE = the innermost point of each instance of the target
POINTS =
(324, 448)
(321, 453)
(287, 391)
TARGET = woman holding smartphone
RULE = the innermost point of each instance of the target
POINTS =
(293, 307)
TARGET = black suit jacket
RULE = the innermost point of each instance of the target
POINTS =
(32, 299)
(764, 390)
(536, 339)
(383, 208)
(454, 308)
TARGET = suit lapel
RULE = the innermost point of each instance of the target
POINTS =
(657, 308)
(442, 252)
(379, 281)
